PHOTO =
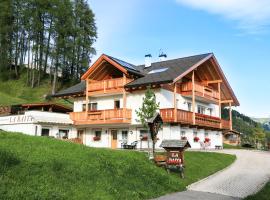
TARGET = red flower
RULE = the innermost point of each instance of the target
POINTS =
(206, 140)
(96, 138)
(196, 139)
(144, 138)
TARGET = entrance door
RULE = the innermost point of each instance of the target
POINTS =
(80, 134)
(114, 139)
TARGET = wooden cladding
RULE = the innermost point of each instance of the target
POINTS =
(185, 117)
(109, 116)
(115, 85)
(200, 90)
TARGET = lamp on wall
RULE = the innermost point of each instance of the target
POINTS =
(131, 132)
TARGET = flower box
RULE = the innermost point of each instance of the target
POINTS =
(196, 139)
(144, 138)
(206, 140)
(96, 138)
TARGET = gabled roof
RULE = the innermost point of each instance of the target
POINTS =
(162, 72)
(123, 66)
(73, 90)
(175, 144)
(172, 69)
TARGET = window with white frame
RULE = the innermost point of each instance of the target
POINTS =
(210, 111)
(189, 106)
(124, 135)
(183, 133)
(201, 109)
(206, 134)
(91, 107)
(195, 133)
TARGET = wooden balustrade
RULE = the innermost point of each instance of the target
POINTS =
(185, 117)
(208, 121)
(107, 86)
(102, 116)
(200, 90)
(225, 124)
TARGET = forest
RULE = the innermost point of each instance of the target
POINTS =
(47, 38)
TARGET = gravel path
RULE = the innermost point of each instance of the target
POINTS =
(245, 176)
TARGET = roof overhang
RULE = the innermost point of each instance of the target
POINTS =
(234, 100)
(98, 62)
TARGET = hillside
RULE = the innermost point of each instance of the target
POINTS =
(17, 92)
(46, 168)
(251, 129)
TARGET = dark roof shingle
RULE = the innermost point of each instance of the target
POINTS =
(75, 89)
(176, 67)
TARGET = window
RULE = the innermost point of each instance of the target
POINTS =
(91, 106)
(201, 109)
(124, 135)
(195, 133)
(116, 104)
(98, 133)
(183, 133)
(157, 70)
(206, 134)
(45, 132)
(63, 133)
(189, 106)
(210, 111)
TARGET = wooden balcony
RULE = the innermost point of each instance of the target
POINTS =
(109, 86)
(200, 90)
(185, 117)
(110, 116)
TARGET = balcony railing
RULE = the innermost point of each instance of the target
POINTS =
(185, 117)
(109, 116)
(200, 90)
(107, 86)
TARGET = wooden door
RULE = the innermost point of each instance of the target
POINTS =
(114, 139)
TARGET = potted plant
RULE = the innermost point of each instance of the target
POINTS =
(196, 139)
(96, 138)
(206, 140)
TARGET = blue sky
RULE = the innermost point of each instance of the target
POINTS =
(237, 32)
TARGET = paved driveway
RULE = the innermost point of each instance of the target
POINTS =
(245, 176)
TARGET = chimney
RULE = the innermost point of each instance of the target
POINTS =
(148, 60)
(162, 56)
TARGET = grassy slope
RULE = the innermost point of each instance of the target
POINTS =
(264, 194)
(228, 146)
(16, 92)
(45, 168)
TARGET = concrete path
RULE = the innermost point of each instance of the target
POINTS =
(245, 176)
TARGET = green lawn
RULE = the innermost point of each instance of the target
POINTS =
(264, 194)
(228, 146)
(17, 92)
(45, 168)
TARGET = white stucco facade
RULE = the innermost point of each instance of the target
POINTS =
(134, 102)
(37, 122)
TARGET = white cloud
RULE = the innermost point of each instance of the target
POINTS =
(252, 15)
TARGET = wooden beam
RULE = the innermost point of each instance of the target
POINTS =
(193, 98)
(230, 110)
(87, 99)
(227, 101)
(219, 102)
(174, 102)
(213, 81)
